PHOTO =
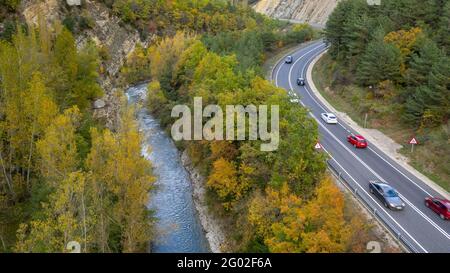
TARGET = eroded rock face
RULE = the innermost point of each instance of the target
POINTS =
(106, 32)
(311, 11)
(48, 10)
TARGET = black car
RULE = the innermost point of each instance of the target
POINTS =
(289, 59)
(300, 81)
(387, 194)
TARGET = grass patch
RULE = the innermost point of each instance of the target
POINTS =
(431, 157)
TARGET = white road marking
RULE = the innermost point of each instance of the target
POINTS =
(293, 65)
(351, 153)
(404, 175)
(280, 65)
(370, 196)
(327, 110)
(438, 228)
(420, 212)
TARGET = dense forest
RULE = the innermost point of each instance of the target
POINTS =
(63, 176)
(393, 62)
(280, 201)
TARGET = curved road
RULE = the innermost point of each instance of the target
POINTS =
(420, 227)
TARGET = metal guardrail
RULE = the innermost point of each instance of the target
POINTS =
(401, 238)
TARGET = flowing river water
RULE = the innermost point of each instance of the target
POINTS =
(178, 228)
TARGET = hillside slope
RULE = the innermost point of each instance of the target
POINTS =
(93, 21)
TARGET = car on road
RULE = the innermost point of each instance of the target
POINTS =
(329, 118)
(387, 194)
(358, 141)
(301, 82)
(289, 59)
(440, 206)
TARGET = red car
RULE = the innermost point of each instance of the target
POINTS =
(440, 206)
(357, 140)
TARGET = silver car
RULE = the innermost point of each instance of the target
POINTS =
(289, 59)
(387, 194)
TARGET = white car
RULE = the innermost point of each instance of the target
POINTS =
(329, 118)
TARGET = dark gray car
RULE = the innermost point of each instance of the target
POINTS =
(289, 60)
(387, 194)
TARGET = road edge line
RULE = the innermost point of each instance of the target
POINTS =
(406, 166)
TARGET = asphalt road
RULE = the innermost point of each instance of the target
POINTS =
(420, 227)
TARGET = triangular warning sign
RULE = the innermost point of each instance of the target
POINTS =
(318, 146)
(413, 141)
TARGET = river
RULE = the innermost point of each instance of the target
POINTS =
(178, 228)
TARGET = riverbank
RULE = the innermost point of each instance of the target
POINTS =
(211, 224)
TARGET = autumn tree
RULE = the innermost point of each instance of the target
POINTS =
(122, 180)
(156, 97)
(289, 224)
(213, 75)
(188, 62)
(76, 71)
(137, 66)
(66, 219)
(404, 40)
(265, 210)
(227, 183)
(58, 149)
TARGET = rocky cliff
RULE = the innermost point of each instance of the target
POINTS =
(311, 11)
(105, 30)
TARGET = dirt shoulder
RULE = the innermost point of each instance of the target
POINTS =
(382, 141)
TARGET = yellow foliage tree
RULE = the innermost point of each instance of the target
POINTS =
(67, 219)
(404, 40)
(226, 182)
(57, 149)
(223, 149)
(288, 225)
(165, 54)
(265, 211)
(39, 109)
(122, 181)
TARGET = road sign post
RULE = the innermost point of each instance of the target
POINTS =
(365, 120)
(413, 142)
(318, 146)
